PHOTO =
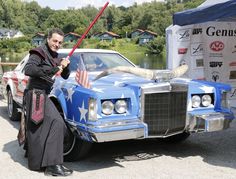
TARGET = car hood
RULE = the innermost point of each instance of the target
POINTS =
(117, 80)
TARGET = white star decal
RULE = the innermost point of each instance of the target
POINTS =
(122, 95)
(98, 90)
(70, 92)
(117, 83)
(83, 112)
(98, 116)
(127, 78)
(207, 89)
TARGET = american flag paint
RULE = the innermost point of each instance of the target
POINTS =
(82, 75)
(82, 78)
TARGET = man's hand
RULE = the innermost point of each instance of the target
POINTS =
(65, 62)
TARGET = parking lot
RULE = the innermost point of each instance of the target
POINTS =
(205, 155)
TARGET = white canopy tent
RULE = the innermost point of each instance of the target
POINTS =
(205, 39)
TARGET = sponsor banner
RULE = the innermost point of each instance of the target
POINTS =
(208, 48)
(220, 41)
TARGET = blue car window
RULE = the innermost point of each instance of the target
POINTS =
(93, 61)
(74, 61)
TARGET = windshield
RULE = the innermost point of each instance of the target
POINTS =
(94, 61)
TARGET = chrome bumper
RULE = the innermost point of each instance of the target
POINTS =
(118, 135)
(209, 122)
(138, 130)
(113, 131)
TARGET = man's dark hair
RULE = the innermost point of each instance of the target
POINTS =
(55, 30)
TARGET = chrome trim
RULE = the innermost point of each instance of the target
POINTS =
(159, 88)
(115, 124)
(105, 125)
(166, 135)
(209, 122)
(177, 87)
(165, 87)
(118, 135)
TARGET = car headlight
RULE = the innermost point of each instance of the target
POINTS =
(206, 100)
(92, 110)
(121, 106)
(196, 101)
(107, 107)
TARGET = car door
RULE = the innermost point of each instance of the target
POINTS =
(20, 80)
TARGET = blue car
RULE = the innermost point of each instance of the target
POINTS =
(125, 102)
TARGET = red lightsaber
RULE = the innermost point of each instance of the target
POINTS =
(87, 30)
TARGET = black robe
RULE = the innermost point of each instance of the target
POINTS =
(44, 141)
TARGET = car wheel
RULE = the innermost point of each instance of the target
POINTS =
(177, 138)
(75, 148)
(13, 114)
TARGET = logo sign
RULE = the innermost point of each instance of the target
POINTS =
(197, 31)
(232, 75)
(214, 31)
(183, 35)
(233, 93)
(215, 64)
(234, 49)
(217, 46)
(182, 50)
(199, 63)
(215, 76)
(197, 49)
(232, 64)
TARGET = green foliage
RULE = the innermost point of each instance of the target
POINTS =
(30, 18)
(156, 46)
(15, 45)
(104, 44)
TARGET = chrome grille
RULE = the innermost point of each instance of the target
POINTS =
(164, 111)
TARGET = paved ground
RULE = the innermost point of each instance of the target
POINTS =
(201, 156)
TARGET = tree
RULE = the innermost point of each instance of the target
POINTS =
(156, 46)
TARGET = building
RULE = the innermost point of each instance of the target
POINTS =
(10, 33)
(96, 35)
(71, 37)
(146, 36)
(38, 39)
(136, 33)
(108, 36)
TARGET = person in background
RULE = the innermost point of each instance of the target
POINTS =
(45, 128)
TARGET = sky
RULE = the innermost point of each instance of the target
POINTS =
(64, 4)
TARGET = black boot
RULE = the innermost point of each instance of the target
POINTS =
(58, 170)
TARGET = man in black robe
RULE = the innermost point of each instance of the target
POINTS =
(45, 128)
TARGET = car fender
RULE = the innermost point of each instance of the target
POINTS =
(59, 98)
(10, 85)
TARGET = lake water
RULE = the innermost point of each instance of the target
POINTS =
(151, 62)
(147, 61)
